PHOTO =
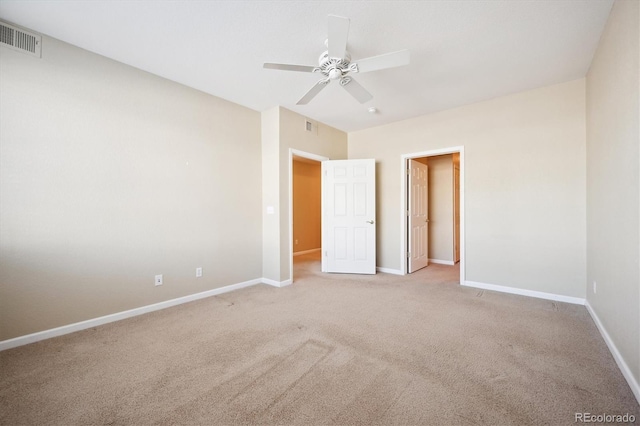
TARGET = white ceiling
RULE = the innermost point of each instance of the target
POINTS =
(461, 51)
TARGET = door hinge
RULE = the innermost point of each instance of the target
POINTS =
(408, 255)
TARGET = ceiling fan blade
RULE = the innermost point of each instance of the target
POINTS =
(356, 90)
(312, 92)
(337, 36)
(289, 67)
(388, 60)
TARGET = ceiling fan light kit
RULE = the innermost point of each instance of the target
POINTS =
(335, 64)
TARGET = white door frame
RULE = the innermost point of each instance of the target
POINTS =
(310, 156)
(404, 198)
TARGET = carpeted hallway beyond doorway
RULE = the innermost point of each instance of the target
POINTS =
(330, 349)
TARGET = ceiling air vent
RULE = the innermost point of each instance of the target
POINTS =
(20, 40)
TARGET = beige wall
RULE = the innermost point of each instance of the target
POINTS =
(524, 160)
(441, 207)
(110, 175)
(613, 183)
(306, 206)
(270, 121)
(287, 131)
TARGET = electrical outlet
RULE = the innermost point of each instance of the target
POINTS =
(158, 280)
(594, 287)
(198, 272)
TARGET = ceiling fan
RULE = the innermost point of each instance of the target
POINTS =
(335, 63)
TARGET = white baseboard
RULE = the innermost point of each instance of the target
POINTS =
(622, 365)
(94, 322)
(442, 262)
(276, 283)
(298, 253)
(389, 271)
(523, 292)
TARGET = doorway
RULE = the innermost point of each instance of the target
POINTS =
(305, 207)
(450, 167)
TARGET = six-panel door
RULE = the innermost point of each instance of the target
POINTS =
(349, 227)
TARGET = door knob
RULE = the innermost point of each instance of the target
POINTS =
(426, 220)
(371, 222)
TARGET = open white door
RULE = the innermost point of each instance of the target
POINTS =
(348, 216)
(418, 216)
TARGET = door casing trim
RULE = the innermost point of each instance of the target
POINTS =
(405, 199)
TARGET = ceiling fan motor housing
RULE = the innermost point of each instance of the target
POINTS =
(334, 68)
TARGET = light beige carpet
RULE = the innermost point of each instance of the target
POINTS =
(330, 349)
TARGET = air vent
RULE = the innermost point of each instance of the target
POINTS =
(310, 126)
(20, 40)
